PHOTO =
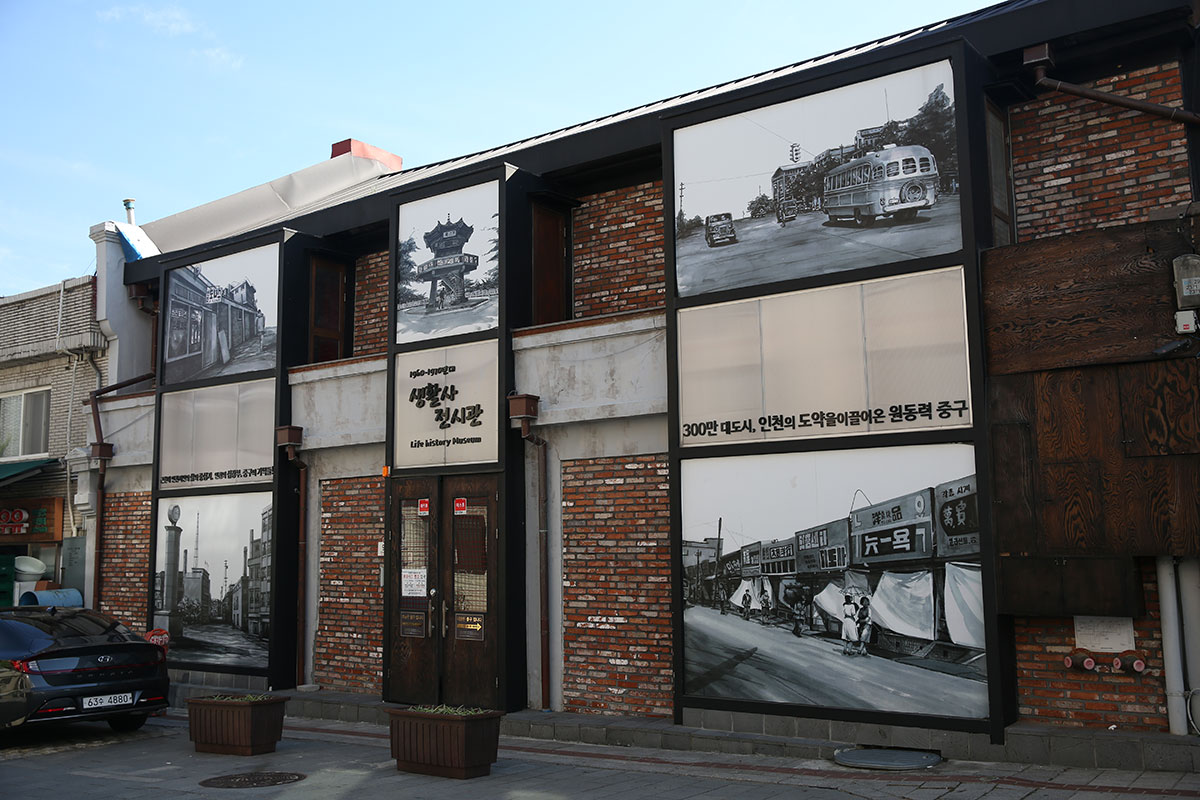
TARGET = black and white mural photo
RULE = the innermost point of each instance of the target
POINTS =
(221, 316)
(448, 264)
(853, 177)
(841, 579)
(212, 580)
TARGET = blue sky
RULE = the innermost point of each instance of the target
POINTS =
(180, 104)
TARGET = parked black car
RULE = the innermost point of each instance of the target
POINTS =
(74, 664)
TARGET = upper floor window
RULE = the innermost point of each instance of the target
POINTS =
(25, 423)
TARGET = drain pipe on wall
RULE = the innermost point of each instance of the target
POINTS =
(525, 408)
(103, 451)
(1189, 601)
(1168, 606)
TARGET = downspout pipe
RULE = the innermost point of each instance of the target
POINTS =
(301, 558)
(543, 556)
(1189, 601)
(103, 451)
(1168, 605)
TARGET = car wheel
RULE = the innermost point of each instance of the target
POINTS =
(128, 723)
(863, 220)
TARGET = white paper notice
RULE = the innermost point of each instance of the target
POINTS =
(1104, 634)
(412, 582)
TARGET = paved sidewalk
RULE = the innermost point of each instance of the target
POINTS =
(351, 760)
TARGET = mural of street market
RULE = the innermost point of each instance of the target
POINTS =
(212, 585)
(448, 264)
(862, 175)
(844, 579)
(221, 316)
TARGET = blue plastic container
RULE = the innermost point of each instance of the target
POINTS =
(67, 598)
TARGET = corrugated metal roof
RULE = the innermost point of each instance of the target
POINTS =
(187, 220)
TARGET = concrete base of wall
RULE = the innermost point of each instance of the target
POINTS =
(709, 731)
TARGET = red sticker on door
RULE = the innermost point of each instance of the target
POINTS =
(423, 507)
(460, 506)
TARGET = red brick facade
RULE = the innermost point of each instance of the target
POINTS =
(617, 254)
(370, 304)
(617, 586)
(1079, 164)
(1049, 692)
(125, 562)
(348, 646)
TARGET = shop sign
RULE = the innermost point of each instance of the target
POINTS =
(468, 626)
(423, 507)
(957, 522)
(412, 623)
(854, 359)
(446, 409)
(460, 506)
(218, 436)
(752, 560)
(898, 530)
(31, 519)
(823, 548)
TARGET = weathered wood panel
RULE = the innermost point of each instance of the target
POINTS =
(1013, 490)
(1063, 587)
(1077, 414)
(1072, 508)
(1160, 407)
(1097, 297)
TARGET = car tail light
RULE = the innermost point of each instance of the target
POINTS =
(26, 667)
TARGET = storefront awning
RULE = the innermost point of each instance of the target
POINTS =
(11, 473)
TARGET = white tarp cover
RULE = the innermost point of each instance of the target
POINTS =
(756, 587)
(903, 603)
(964, 604)
(832, 597)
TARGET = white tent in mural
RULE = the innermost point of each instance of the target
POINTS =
(964, 604)
(757, 588)
(903, 604)
(833, 595)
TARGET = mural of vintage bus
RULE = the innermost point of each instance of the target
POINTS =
(891, 182)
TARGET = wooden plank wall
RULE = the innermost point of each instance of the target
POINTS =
(1095, 439)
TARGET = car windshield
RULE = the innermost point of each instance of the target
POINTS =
(64, 623)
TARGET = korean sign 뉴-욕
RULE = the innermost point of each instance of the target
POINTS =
(447, 406)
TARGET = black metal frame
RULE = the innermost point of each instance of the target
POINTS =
(969, 70)
(280, 667)
(511, 187)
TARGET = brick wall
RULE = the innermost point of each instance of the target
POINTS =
(1048, 692)
(617, 586)
(1079, 164)
(617, 253)
(348, 646)
(370, 304)
(125, 560)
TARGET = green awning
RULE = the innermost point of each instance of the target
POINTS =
(16, 470)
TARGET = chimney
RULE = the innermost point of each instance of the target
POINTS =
(128, 201)
(363, 150)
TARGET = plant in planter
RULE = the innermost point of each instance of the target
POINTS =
(447, 741)
(239, 725)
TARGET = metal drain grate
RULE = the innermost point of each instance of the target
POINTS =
(252, 780)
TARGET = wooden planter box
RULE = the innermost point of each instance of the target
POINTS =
(446, 745)
(235, 727)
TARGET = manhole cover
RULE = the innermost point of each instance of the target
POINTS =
(252, 780)
(879, 758)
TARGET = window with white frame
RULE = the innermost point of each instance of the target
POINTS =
(25, 423)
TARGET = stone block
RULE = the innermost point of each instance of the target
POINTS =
(743, 722)
(1119, 754)
(813, 728)
(717, 720)
(1027, 748)
(774, 725)
(693, 717)
(843, 731)
(1073, 751)
(1169, 756)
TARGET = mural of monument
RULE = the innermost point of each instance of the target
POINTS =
(447, 271)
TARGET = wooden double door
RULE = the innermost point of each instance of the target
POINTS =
(443, 621)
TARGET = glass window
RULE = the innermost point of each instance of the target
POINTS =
(893, 169)
(910, 166)
(25, 424)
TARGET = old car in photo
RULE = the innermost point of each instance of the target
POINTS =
(718, 229)
(74, 664)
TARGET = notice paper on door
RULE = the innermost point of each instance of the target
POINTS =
(412, 582)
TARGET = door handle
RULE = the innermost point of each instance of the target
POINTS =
(444, 608)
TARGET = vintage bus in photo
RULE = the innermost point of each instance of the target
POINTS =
(892, 182)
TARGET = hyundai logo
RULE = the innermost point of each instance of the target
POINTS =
(104, 659)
